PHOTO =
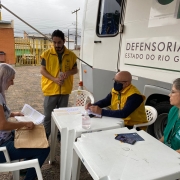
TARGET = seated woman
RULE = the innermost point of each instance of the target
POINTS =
(7, 74)
(172, 131)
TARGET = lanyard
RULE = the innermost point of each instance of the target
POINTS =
(119, 98)
(60, 58)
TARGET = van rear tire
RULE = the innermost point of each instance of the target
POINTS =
(157, 129)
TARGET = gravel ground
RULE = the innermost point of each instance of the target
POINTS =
(27, 90)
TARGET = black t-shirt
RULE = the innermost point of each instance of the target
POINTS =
(43, 62)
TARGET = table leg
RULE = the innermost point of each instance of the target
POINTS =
(53, 140)
(64, 148)
(76, 166)
(71, 139)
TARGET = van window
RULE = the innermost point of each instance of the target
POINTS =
(109, 17)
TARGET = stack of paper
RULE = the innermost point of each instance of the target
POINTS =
(30, 114)
(96, 115)
(68, 111)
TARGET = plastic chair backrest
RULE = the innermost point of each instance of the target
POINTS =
(15, 166)
(151, 114)
(80, 97)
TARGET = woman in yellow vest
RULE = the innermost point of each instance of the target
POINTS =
(125, 100)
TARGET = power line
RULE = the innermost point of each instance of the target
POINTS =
(24, 21)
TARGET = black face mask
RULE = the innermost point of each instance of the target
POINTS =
(118, 86)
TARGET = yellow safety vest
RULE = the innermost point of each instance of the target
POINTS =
(118, 102)
(50, 88)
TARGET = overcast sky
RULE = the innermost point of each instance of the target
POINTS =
(44, 15)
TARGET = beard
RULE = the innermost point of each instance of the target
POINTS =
(59, 49)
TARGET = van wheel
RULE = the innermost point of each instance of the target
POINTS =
(159, 125)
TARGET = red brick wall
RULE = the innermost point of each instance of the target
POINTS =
(7, 44)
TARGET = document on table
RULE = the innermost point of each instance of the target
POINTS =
(73, 111)
(30, 114)
(96, 115)
(68, 111)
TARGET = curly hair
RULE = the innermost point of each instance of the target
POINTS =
(58, 33)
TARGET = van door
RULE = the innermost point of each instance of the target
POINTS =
(107, 36)
(100, 44)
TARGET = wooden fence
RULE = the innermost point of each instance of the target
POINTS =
(28, 50)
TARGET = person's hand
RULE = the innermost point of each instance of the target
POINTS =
(66, 75)
(162, 139)
(87, 106)
(178, 150)
(96, 109)
(16, 114)
(29, 125)
(58, 81)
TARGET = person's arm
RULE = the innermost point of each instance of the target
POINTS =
(46, 74)
(96, 107)
(7, 126)
(162, 139)
(132, 103)
(104, 102)
(73, 71)
(16, 114)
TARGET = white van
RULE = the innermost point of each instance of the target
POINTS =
(140, 36)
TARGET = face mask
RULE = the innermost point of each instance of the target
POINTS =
(118, 86)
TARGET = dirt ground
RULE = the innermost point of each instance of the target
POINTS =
(27, 90)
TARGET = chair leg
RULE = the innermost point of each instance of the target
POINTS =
(16, 175)
(38, 172)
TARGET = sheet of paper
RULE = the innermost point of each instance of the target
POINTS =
(23, 118)
(68, 111)
(38, 117)
(90, 112)
(27, 110)
(30, 114)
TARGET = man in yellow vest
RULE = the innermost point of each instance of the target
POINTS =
(58, 67)
(125, 100)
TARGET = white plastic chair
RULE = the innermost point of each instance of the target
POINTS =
(16, 165)
(80, 97)
(151, 114)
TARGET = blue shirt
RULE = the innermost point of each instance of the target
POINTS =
(132, 103)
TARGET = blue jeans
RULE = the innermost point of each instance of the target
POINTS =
(25, 153)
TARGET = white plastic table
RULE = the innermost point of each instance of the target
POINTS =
(108, 159)
(70, 127)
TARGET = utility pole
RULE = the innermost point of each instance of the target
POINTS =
(0, 12)
(68, 38)
(76, 24)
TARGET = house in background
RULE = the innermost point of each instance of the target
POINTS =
(7, 50)
(40, 42)
(29, 48)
